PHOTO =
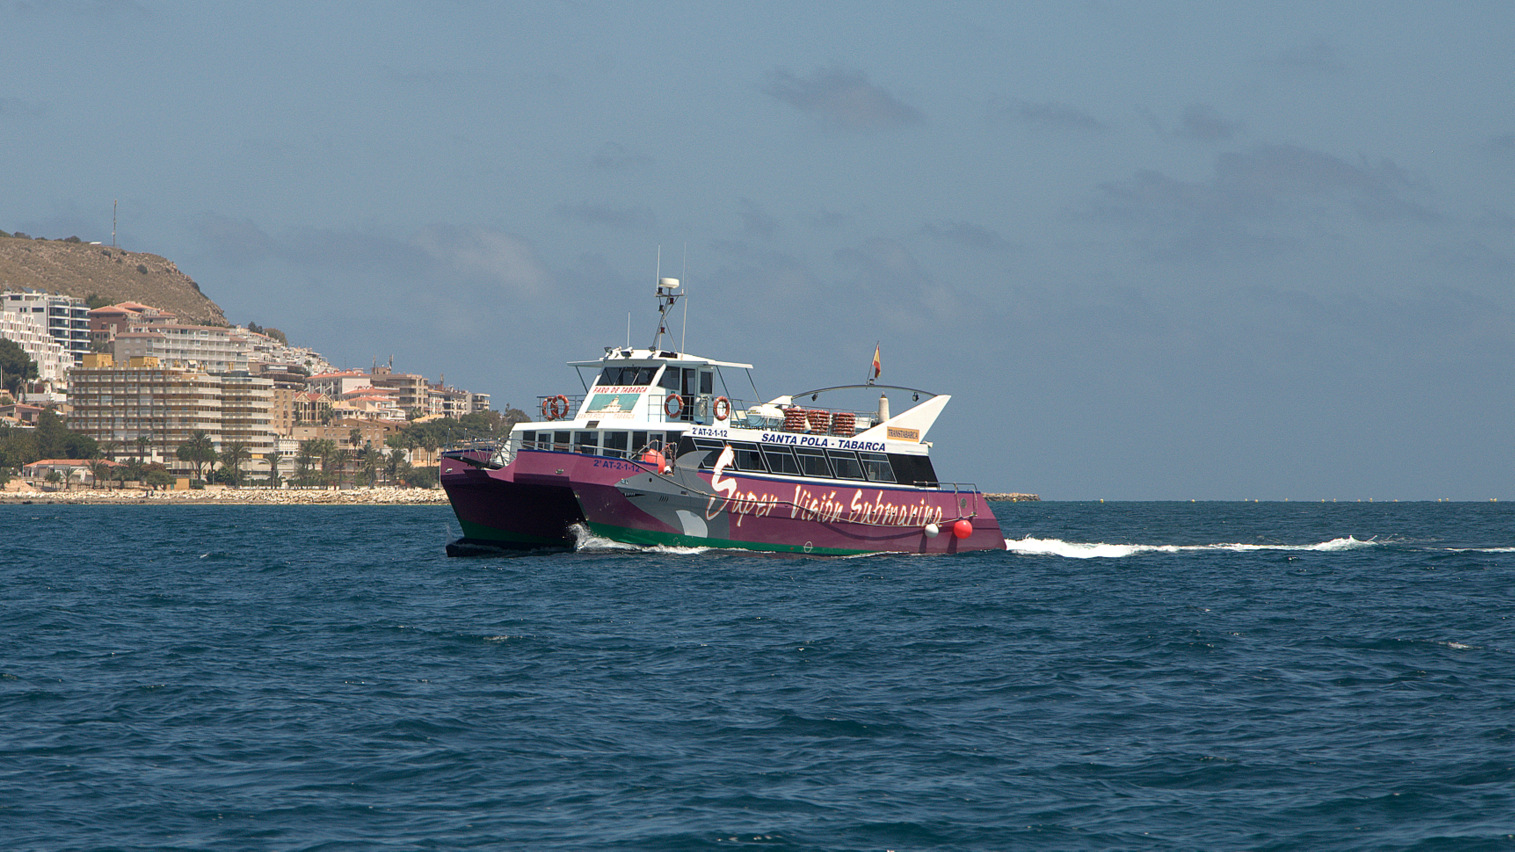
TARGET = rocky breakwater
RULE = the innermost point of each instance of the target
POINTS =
(1010, 497)
(233, 496)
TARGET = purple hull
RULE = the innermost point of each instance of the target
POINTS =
(533, 501)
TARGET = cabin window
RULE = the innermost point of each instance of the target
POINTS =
(876, 467)
(529, 439)
(586, 442)
(845, 463)
(710, 450)
(747, 457)
(638, 441)
(615, 444)
(610, 376)
(913, 469)
(560, 441)
(780, 460)
(670, 379)
(707, 382)
(813, 461)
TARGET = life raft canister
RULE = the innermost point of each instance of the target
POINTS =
(655, 459)
(721, 408)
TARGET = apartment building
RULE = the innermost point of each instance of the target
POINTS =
(29, 331)
(143, 404)
(202, 347)
(65, 318)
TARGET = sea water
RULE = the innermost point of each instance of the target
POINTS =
(1134, 676)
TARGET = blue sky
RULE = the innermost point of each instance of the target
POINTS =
(1154, 250)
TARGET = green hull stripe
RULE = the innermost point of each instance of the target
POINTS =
(649, 538)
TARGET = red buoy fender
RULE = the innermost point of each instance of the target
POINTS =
(963, 528)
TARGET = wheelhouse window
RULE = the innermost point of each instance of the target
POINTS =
(845, 463)
(876, 467)
(626, 376)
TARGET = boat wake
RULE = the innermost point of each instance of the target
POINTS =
(585, 541)
(1099, 550)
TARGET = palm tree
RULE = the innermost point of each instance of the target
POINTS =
(305, 456)
(371, 462)
(198, 451)
(273, 468)
(100, 468)
(233, 455)
(325, 449)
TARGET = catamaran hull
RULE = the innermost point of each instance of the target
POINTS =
(533, 502)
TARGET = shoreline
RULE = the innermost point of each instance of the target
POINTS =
(380, 496)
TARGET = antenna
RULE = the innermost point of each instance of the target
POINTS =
(684, 335)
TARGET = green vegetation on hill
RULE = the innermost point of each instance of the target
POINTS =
(80, 269)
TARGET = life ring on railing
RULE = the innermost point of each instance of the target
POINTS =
(673, 405)
(721, 408)
(555, 407)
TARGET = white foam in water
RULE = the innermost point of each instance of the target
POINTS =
(585, 541)
(1100, 550)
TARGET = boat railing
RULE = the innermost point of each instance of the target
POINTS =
(710, 409)
(480, 452)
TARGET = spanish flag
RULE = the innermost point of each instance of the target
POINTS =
(877, 364)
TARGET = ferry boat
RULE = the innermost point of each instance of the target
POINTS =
(661, 450)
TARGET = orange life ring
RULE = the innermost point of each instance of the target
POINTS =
(673, 405)
(721, 408)
(555, 407)
(546, 408)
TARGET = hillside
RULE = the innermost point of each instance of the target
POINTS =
(80, 269)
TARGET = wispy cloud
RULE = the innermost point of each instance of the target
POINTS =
(23, 108)
(505, 260)
(620, 218)
(1317, 57)
(492, 258)
(110, 10)
(1262, 183)
(964, 233)
(1502, 145)
(755, 220)
(1050, 115)
(1230, 214)
(614, 157)
(1202, 123)
(843, 100)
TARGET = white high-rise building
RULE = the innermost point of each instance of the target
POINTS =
(65, 318)
(30, 333)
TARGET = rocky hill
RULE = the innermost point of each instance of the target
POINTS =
(82, 270)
